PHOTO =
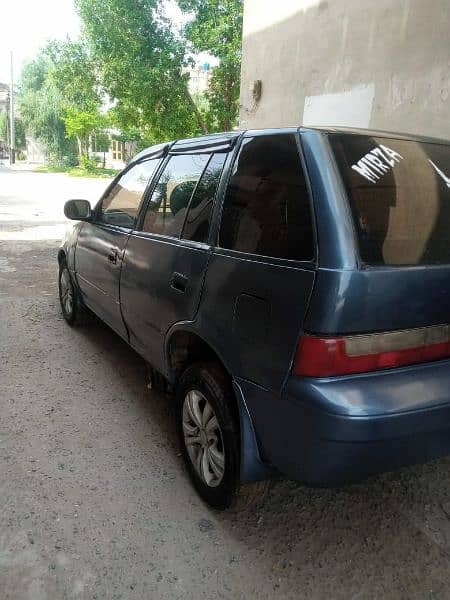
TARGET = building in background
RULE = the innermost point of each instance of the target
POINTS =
(111, 149)
(199, 78)
(383, 65)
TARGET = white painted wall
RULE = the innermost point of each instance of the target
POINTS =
(353, 107)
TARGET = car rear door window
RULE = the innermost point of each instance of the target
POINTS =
(121, 204)
(168, 204)
(267, 206)
(196, 226)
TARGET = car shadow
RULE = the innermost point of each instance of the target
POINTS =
(386, 537)
(129, 365)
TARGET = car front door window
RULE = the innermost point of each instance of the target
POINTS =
(121, 205)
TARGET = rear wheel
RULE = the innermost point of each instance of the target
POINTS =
(209, 435)
(72, 307)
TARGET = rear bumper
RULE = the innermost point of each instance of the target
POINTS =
(336, 430)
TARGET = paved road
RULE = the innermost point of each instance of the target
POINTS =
(31, 204)
(94, 501)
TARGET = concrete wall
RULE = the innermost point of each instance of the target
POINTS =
(382, 64)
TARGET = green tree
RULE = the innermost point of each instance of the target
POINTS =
(60, 97)
(41, 107)
(19, 131)
(80, 124)
(216, 28)
(3, 127)
(140, 56)
(74, 75)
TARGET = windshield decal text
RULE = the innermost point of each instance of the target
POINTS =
(377, 162)
(442, 174)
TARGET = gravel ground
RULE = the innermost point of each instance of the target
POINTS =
(95, 502)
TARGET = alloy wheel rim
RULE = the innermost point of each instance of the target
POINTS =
(203, 438)
(66, 292)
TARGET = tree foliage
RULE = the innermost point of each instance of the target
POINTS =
(59, 97)
(19, 131)
(132, 57)
(140, 57)
(42, 108)
(216, 28)
(80, 124)
(74, 73)
(3, 127)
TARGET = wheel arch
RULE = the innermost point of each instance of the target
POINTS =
(184, 346)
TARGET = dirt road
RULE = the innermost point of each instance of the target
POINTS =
(94, 500)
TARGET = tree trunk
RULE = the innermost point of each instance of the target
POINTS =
(226, 123)
(80, 147)
(198, 116)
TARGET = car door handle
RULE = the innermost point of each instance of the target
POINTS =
(112, 256)
(179, 282)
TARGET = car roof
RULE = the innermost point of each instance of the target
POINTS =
(223, 141)
(331, 129)
(204, 143)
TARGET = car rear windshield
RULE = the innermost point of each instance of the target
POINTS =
(399, 194)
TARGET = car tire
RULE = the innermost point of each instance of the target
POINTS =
(72, 308)
(210, 440)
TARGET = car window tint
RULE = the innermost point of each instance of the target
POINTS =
(120, 206)
(399, 195)
(196, 226)
(267, 207)
(167, 207)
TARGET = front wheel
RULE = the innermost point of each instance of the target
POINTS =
(209, 435)
(71, 306)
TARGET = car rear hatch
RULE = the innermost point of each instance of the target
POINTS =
(395, 301)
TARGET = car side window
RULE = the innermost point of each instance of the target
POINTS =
(266, 209)
(120, 206)
(167, 208)
(196, 226)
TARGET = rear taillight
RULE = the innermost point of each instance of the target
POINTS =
(325, 356)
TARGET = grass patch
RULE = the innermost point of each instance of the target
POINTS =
(50, 169)
(95, 173)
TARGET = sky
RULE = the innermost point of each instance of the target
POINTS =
(27, 24)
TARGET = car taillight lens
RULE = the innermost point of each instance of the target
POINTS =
(326, 356)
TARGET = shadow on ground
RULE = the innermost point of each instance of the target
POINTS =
(372, 529)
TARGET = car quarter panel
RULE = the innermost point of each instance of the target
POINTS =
(253, 310)
(335, 233)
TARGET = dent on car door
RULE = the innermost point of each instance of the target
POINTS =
(165, 262)
(101, 243)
